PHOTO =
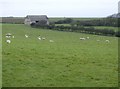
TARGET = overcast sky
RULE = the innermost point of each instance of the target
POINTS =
(59, 8)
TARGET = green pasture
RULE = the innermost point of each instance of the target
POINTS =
(66, 62)
(108, 27)
(54, 19)
(97, 27)
(62, 25)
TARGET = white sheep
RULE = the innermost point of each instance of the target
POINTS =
(43, 38)
(107, 41)
(8, 35)
(98, 40)
(51, 41)
(88, 37)
(82, 38)
(26, 36)
(39, 38)
(13, 36)
(8, 41)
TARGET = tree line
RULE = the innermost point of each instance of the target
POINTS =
(115, 22)
(80, 26)
(82, 29)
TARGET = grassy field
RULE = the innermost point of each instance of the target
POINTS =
(66, 62)
(97, 27)
(107, 27)
(62, 25)
(54, 19)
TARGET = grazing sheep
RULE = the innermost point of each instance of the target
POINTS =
(26, 36)
(8, 35)
(39, 38)
(98, 40)
(8, 41)
(82, 38)
(107, 41)
(43, 38)
(13, 36)
(88, 37)
(51, 41)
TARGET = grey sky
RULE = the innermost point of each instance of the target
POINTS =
(59, 8)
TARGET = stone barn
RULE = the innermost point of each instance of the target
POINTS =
(34, 19)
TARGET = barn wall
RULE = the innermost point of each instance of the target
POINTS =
(47, 22)
(27, 21)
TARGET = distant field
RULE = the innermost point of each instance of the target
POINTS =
(66, 62)
(13, 20)
(107, 27)
(62, 25)
(56, 19)
(97, 27)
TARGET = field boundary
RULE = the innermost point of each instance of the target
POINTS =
(0, 55)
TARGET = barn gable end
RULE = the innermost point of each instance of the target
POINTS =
(29, 19)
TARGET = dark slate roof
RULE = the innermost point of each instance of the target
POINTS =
(37, 17)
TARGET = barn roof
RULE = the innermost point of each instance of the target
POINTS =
(37, 17)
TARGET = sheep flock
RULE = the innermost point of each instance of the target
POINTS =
(10, 36)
